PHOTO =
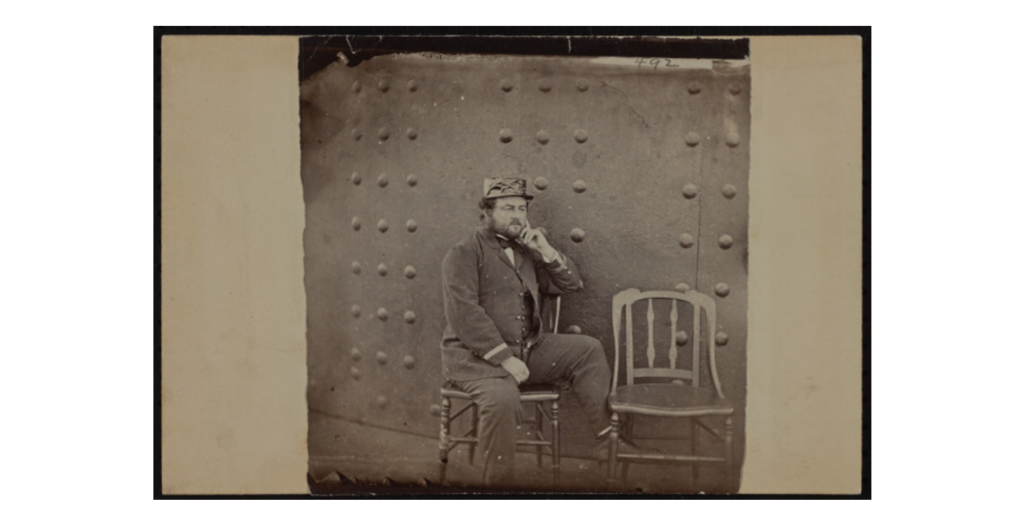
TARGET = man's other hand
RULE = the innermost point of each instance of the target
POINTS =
(517, 368)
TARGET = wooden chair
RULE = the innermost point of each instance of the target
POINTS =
(662, 391)
(539, 395)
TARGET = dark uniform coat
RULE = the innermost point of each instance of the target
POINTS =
(493, 308)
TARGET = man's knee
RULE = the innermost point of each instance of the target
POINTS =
(590, 348)
(592, 345)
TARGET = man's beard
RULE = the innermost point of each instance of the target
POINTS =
(506, 230)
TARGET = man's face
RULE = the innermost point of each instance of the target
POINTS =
(509, 216)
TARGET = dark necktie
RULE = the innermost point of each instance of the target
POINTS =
(505, 243)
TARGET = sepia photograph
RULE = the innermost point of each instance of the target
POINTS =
(526, 262)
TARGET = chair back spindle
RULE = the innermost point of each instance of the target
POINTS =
(673, 349)
(650, 333)
(629, 345)
(695, 365)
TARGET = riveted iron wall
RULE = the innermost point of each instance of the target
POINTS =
(640, 174)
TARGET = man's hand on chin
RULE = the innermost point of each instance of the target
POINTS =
(535, 239)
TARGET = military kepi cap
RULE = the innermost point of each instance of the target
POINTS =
(505, 187)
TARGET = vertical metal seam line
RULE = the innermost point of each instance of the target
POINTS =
(700, 212)
(519, 113)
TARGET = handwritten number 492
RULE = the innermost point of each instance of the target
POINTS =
(654, 62)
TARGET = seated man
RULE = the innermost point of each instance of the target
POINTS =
(495, 340)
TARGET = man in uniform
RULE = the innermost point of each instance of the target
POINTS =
(494, 341)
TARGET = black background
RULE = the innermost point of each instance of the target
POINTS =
(943, 239)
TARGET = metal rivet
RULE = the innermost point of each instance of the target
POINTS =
(410, 317)
(690, 191)
(686, 240)
(356, 310)
(735, 89)
(506, 85)
(732, 139)
(382, 225)
(729, 191)
(581, 136)
(382, 314)
(412, 86)
(356, 267)
(409, 362)
(573, 329)
(693, 88)
(582, 85)
(725, 241)
(410, 272)
(356, 354)
(543, 137)
(384, 86)
(692, 139)
(382, 358)
(682, 287)
(356, 134)
(577, 235)
(382, 401)
(505, 135)
(356, 374)
(356, 178)
(382, 269)
(411, 225)
(541, 183)
(721, 338)
(682, 338)
(544, 85)
(579, 186)
(356, 223)
(411, 133)
(411, 180)
(435, 410)
(383, 133)
(357, 87)
(721, 289)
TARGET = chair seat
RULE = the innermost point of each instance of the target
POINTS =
(527, 393)
(668, 400)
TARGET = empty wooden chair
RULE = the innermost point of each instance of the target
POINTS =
(660, 385)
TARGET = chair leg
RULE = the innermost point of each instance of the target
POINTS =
(728, 452)
(613, 447)
(538, 421)
(629, 435)
(474, 431)
(556, 440)
(694, 443)
(446, 410)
